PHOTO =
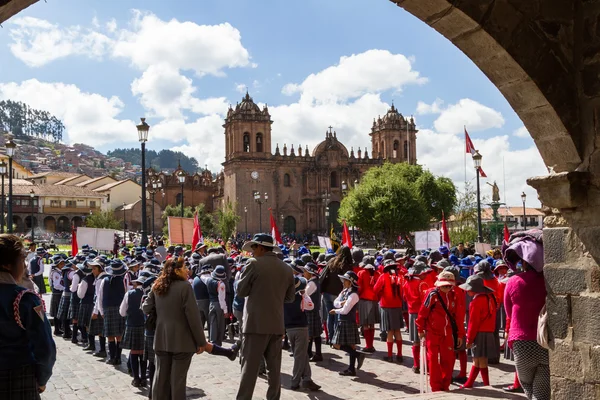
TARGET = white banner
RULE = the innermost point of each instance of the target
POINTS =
(96, 238)
(427, 240)
(325, 242)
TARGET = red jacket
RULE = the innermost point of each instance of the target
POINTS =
(433, 319)
(494, 284)
(430, 277)
(414, 293)
(482, 315)
(366, 284)
(461, 305)
(388, 298)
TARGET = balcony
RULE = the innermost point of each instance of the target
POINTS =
(81, 210)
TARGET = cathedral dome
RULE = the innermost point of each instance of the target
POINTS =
(392, 116)
(247, 105)
(330, 143)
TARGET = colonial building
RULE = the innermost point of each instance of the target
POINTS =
(303, 188)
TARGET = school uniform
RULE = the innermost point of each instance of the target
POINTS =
(414, 292)
(346, 329)
(57, 287)
(65, 301)
(368, 306)
(134, 324)
(73, 314)
(86, 292)
(389, 290)
(112, 291)
(202, 298)
(313, 316)
(296, 327)
(36, 268)
(482, 324)
(217, 295)
(96, 326)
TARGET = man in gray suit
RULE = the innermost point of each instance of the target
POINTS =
(267, 284)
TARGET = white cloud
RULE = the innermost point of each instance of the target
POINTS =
(88, 117)
(356, 75)
(433, 108)
(469, 113)
(240, 88)
(111, 25)
(522, 132)
(37, 42)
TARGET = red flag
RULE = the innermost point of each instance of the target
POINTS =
(506, 234)
(481, 173)
(346, 238)
(74, 246)
(274, 230)
(197, 236)
(468, 143)
(445, 234)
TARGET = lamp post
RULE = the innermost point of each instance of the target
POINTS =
(477, 161)
(124, 227)
(11, 147)
(282, 226)
(523, 198)
(32, 195)
(143, 129)
(326, 218)
(260, 200)
(246, 223)
(2, 173)
(326, 197)
(181, 177)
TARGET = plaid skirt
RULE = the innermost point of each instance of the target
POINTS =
(74, 307)
(133, 338)
(391, 319)
(85, 314)
(96, 326)
(63, 308)
(315, 326)
(19, 383)
(54, 302)
(114, 324)
(485, 345)
(148, 348)
(413, 332)
(346, 332)
(368, 312)
(40, 283)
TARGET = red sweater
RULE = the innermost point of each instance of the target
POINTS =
(366, 285)
(388, 298)
(433, 319)
(482, 316)
(495, 286)
(461, 305)
(414, 293)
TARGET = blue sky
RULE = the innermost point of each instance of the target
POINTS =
(101, 65)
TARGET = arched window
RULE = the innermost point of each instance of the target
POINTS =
(246, 142)
(333, 180)
(396, 146)
(259, 143)
(406, 150)
(286, 180)
(289, 224)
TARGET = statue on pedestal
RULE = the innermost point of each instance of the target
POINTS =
(495, 192)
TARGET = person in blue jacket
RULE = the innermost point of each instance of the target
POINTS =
(28, 350)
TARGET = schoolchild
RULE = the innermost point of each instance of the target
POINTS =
(133, 340)
(111, 293)
(313, 316)
(415, 289)
(57, 287)
(96, 325)
(65, 300)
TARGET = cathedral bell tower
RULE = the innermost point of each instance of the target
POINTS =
(394, 138)
(247, 130)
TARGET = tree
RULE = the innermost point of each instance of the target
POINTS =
(227, 220)
(103, 219)
(463, 226)
(206, 220)
(396, 199)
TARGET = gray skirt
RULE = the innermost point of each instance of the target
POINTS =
(368, 312)
(54, 302)
(96, 326)
(114, 324)
(485, 345)
(149, 348)
(40, 283)
(133, 338)
(74, 307)
(85, 314)
(315, 327)
(63, 308)
(413, 332)
(346, 332)
(391, 319)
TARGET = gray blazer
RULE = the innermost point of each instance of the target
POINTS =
(178, 325)
(267, 284)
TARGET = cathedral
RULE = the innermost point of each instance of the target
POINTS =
(303, 189)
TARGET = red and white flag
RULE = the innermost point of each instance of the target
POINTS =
(506, 234)
(481, 173)
(346, 238)
(445, 234)
(197, 237)
(469, 144)
(274, 230)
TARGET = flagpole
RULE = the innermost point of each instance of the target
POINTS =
(465, 157)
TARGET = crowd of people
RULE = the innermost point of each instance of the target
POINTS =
(157, 302)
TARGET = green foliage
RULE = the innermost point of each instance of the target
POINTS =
(164, 159)
(227, 220)
(463, 227)
(23, 121)
(103, 219)
(207, 222)
(396, 199)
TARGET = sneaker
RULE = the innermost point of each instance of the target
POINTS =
(310, 385)
(368, 350)
(101, 354)
(317, 358)
(416, 370)
(348, 372)
(360, 360)
(136, 382)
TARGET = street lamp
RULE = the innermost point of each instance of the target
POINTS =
(326, 196)
(477, 161)
(181, 177)
(2, 173)
(124, 228)
(143, 129)
(260, 201)
(246, 218)
(523, 198)
(32, 195)
(11, 147)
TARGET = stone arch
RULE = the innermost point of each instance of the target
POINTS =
(287, 180)
(50, 224)
(63, 224)
(18, 225)
(396, 148)
(77, 221)
(28, 222)
(259, 142)
(246, 143)
(289, 225)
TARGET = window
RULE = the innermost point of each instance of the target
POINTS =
(71, 203)
(92, 204)
(17, 202)
(396, 146)
(259, 143)
(533, 221)
(333, 180)
(286, 180)
(25, 202)
(246, 142)
(54, 203)
(35, 202)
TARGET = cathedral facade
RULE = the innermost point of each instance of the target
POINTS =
(303, 189)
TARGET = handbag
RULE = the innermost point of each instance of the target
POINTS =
(543, 334)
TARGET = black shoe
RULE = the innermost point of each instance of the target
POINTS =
(317, 358)
(348, 372)
(235, 349)
(136, 382)
(285, 346)
(294, 387)
(399, 359)
(143, 382)
(74, 339)
(388, 359)
(67, 336)
(368, 350)
(111, 361)
(360, 359)
(90, 347)
(460, 379)
(416, 370)
(262, 372)
(117, 361)
(310, 385)
(58, 333)
(101, 354)
(129, 371)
